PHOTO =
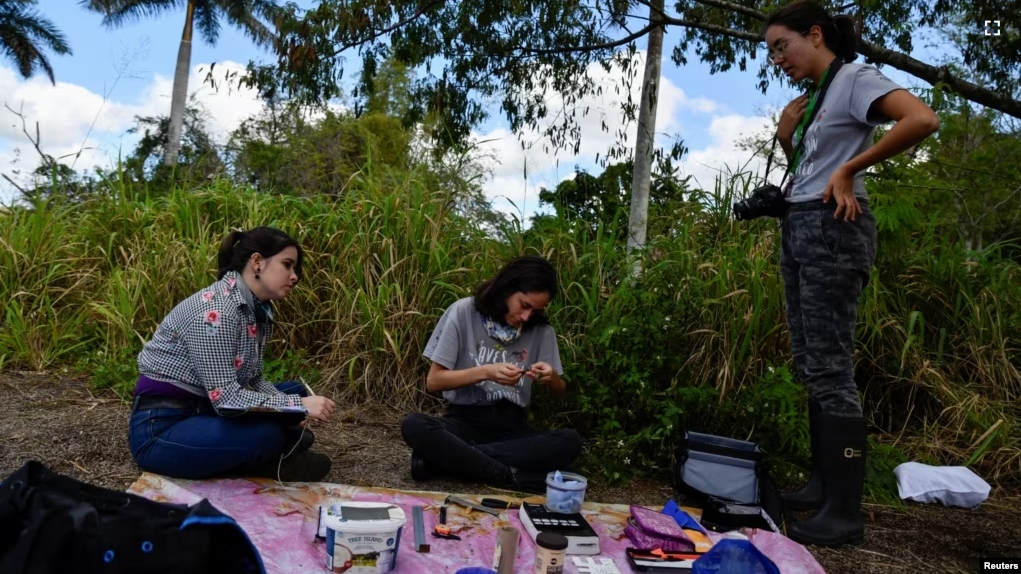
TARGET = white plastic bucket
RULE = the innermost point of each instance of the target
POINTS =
(363, 546)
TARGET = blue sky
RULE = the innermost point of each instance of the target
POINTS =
(117, 74)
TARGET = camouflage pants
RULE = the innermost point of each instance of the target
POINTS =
(825, 263)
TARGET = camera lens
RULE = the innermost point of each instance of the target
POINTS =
(741, 210)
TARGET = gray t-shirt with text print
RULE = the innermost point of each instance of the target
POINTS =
(460, 341)
(841, 130)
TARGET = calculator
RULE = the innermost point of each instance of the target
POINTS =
(567, 524)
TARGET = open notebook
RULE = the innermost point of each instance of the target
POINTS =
(297, 414)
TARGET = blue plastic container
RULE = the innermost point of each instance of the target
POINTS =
(565, 497)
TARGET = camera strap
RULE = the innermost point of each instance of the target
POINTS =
(816, 97)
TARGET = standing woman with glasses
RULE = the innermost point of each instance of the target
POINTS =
(829, 242)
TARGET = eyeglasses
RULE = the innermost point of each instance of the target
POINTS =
(780, 48)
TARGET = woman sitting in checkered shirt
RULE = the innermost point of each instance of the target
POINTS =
(206, 356)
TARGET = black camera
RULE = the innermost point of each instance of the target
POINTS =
(765, 200)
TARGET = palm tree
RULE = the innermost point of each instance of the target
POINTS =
(250, 16)
(24, 34)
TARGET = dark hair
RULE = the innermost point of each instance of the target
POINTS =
(237, 248)
(526, 274)
(838, 31)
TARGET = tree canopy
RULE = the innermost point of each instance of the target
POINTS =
(523, 52)
(26, 35)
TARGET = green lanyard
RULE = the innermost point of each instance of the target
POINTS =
(807, 119)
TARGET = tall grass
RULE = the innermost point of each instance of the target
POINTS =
(699, 341)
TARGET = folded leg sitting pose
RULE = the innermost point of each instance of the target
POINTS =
(207, 354)
(487, 352)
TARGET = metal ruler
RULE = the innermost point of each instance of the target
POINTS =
(420, 544)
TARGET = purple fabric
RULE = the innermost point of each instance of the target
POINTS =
(643, 541)
(152, 387)
(650, 530)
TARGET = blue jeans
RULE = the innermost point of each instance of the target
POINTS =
(197, 443)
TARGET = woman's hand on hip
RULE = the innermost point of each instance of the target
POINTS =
(791, 117)
(319, 408)
(505, 373)
(841, 188)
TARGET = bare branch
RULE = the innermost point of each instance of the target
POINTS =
(375, 34)
(48, 160)
(723, 4)
(739, 34)
(1017, 212)
(11, 181)
(996, 208)
(941, 74)
(933, 74)
(595, 47)
(985, 172)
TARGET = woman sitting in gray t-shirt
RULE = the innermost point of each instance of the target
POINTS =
(486, 352)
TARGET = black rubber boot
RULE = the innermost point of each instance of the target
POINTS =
(421, 470)
(842, 445)
(809, 497)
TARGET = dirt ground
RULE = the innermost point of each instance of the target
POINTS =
(61, 423)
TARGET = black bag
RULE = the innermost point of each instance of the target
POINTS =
(54, 523)
(730, 479)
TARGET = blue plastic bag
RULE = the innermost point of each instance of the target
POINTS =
(682, 518)
(734, 557)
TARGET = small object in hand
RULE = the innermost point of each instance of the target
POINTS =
(307, 388)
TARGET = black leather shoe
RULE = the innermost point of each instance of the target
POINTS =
(530, 481)
(308, 438)
(305, 467)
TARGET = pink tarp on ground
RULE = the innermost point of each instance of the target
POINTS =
(281, 520)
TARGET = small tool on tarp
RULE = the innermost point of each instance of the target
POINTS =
(441, 530)
(469, 504)
(500, 504)
(419, 525)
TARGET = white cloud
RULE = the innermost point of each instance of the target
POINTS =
(73, 119)
(520, 172)
(722, 158)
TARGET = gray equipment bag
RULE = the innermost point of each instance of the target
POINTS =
(731, 479)
(720, 467)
